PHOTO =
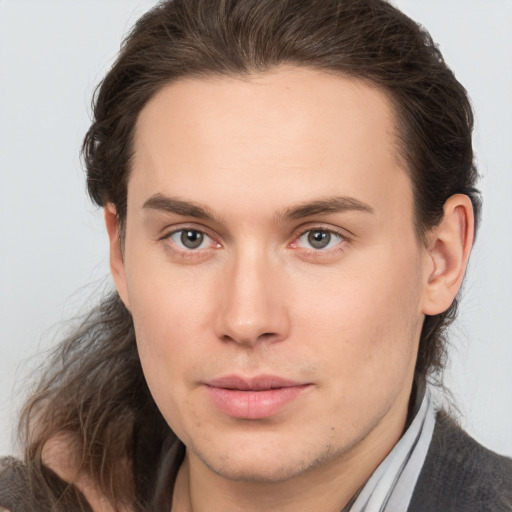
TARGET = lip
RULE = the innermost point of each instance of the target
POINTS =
(253, 398)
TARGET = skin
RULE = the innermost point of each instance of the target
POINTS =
(257, 298)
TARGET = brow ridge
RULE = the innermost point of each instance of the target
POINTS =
(325, 206)
(177, 206)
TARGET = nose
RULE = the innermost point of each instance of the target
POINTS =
(253, 303)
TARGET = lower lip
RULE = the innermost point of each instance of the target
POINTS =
(253, 405)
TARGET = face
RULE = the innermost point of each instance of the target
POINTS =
(272, 270)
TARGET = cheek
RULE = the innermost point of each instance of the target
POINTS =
(366, 319)
(168, 342)
(165, 299)
(171, 316)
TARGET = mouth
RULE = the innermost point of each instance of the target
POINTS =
(253, 398)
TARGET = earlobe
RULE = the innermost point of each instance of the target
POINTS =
(448, 246)
(117, 266)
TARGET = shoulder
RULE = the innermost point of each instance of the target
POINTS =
(460, 475)
(25, 490)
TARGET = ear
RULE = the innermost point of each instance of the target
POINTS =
(448, 246)
(117, 267)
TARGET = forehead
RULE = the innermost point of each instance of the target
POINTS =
(297, 130)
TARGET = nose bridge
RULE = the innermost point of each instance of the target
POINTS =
(252, 306)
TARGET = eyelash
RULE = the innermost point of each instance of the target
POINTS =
(319, 252)
(194, 252)
(184, 251)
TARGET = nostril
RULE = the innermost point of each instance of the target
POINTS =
(249, 340)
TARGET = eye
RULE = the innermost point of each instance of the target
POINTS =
(190, 239)
(319, 239)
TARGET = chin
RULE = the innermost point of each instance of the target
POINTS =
(265, 464)
(265, 473)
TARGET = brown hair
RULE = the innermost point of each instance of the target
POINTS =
(94, 389)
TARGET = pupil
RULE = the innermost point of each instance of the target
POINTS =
(319, 239)
(191, 239)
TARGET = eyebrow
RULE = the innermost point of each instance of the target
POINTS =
(177, 206)
(329, 205)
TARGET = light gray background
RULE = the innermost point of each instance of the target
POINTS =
(52, 54)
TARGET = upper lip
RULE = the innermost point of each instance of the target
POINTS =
(256, 383)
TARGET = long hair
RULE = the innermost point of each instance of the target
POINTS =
(94, 392)
(93, 397)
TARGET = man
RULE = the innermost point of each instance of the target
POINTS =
(289, 193)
